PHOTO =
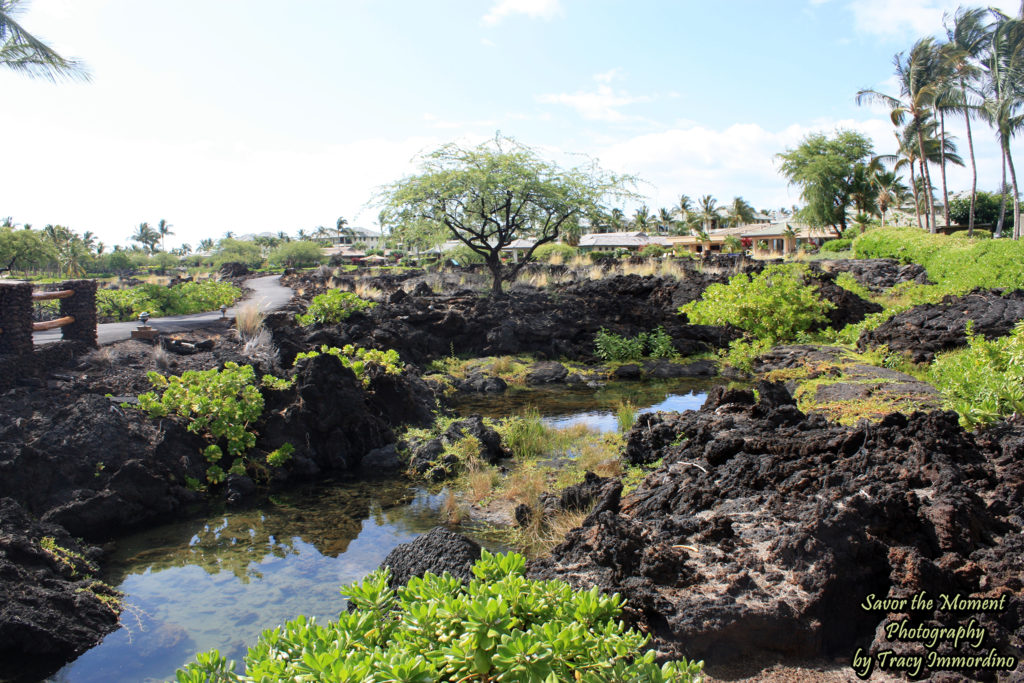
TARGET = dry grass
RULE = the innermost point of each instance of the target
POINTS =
(161, 358)
(545, 531)
(368, 292)
(451, 511)
(102, 358)
(261, 348)
(656, 267)
(525, 485)
(580, 261)
(480, 483)
(501, 365)
(248, 321)
(557, 258)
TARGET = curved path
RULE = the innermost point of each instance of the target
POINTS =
(267, 292)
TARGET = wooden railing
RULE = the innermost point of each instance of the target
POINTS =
(58, 322)
(77, 316)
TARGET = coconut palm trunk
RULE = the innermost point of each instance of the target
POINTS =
(917, 199)
(927, 177)
(1013, 182)
(974, 166)
(1002, 197)
(942, 165)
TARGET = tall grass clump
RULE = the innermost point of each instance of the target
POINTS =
(525, 435)
(248, 321)
(625, 415)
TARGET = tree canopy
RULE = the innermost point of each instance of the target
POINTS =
(828, 171)
(490, 195)
(23, 52)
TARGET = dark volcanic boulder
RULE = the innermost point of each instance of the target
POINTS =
(878, 274)
(233, 269)
(92, 466)
(491, 449)
(548, 372)
(52, 609)
(778, 525)
(928, 329)
(326, 416)
(436, 551)
(849, 308)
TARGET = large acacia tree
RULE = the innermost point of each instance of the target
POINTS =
(828, 172)
(490, 195)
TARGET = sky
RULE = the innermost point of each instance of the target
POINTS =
(254, 116)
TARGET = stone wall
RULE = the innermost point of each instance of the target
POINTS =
(82, 306)
(15, 317)
(33, 367)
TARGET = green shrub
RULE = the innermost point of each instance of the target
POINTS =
(218, 404)
(986, 209)
(181, 299)
(654, 251)
(851, 284)
(774, 305)
(301, 254)
(500, 627)
(615, 348)
(237, 251)
(984, 381)
(463, 256)
(358, 360)
(332, 307)
(832, 246)
(957, 264)
(546, 251)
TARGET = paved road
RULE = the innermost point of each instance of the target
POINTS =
(267, 292)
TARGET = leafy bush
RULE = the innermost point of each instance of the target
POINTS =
(501, 627)
(300, 254)
(958, 264)
(986, 208)
(237, 251)
(545, 252)
(219, 405)
(463, 256)
(774, 305)
(984, 381)
(618, 349)
(181, 299)
(332, 307)
(358, 360)
(654, 251)
(836, 245)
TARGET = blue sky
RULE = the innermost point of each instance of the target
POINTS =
(252, 116)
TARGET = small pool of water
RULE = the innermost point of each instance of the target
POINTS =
(566, 406)
(218, 581)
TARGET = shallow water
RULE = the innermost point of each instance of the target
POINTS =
(219, 580)
(566, 406)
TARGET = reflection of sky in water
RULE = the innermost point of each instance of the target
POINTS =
(606, 421)
(223, 597)
(218, 582)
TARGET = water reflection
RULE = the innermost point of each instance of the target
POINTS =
(219, 581)
(565, 406)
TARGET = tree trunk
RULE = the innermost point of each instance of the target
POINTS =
(1002, 197)
(494, 265)
(917, 201)
(974, 167)
(927, 180)
(942, 152)
(1016, 200)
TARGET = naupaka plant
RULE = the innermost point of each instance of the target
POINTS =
(219, 405)
(500, 626)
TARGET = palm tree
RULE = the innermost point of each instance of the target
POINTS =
(741, 212)
(615, 219)
(708, 212)
(206, 245)
(341, 228)
(164, 229)
(1002, 97)
(147, 237)
(641, 218)
(969, 36)
(21, 51)
(920, 75)
(889, 188)
(664, 220)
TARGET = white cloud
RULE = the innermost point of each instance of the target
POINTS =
(535, 9)
(602, 104)
(909, 18)
(737, 160)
